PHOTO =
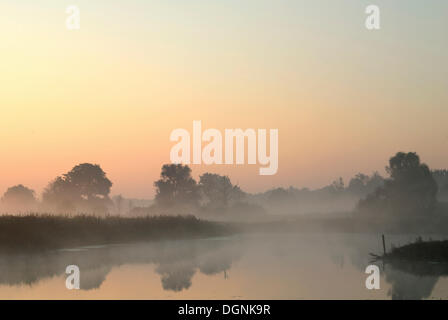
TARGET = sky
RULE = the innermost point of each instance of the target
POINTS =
(344, 99)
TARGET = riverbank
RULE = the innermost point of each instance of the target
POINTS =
(420, 258)
(420, 251)
(47, 232)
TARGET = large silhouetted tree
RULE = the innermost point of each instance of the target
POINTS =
(176, 186)
(19, 198)
(411, 188)
(89, 181)
(85, 187)
(219, 192)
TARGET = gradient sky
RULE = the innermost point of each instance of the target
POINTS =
(343, 98)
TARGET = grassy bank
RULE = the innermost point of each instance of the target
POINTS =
(421, 258)
(46, 232)
(420, 251)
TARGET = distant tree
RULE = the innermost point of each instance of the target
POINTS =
(411, 189)
(118, 201)
(218, 190)
(358, 183)
(84, 187)
(19, 198)
(89, 181)
(362, 184)
(279, 195)
(375, 181)
(337, 185)
(441, 177)
(176, 186)
(60, 195)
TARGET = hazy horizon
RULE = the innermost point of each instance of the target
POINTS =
(343, 99)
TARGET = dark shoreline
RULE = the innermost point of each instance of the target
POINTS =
(49, 232)
(433, 251)
(420, 258)
(35, 232)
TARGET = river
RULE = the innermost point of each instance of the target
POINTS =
(256, 266)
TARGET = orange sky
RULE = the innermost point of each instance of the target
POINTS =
(343, 98)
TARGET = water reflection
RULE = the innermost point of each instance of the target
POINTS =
(414, 280)
(408, 280)
(176, 262)
(274, 266)
(407, 286)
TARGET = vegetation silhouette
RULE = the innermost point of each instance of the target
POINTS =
(46, 232)
(218, 191)
(176, 187)
(84, 188)
(441, 177)
(414, 269)
(411, 190)
(435, 252)
(214, 197)
(19, 198)
(363, 184)
(408, 280)
(408, 198)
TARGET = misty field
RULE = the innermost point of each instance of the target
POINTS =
(43, 232)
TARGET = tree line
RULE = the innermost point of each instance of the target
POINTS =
(86, 188)
(411, 188)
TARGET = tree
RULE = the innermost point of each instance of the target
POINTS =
(89, 181)
(337, 185)
(441, 177)
(411, 189)
(362, 184)
(375, 181)
(118, 201)
(280, 195)
(19, 198)
(84, 187)
(358, 183)
(218, 190)
(176, 186)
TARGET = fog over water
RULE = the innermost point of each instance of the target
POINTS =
(258, 266)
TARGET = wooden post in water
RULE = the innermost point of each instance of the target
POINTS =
(384, 245)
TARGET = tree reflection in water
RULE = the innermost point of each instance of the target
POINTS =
(176, 262)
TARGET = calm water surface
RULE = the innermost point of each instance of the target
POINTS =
(274, 266)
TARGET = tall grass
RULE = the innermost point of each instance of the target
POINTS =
(41, 232)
